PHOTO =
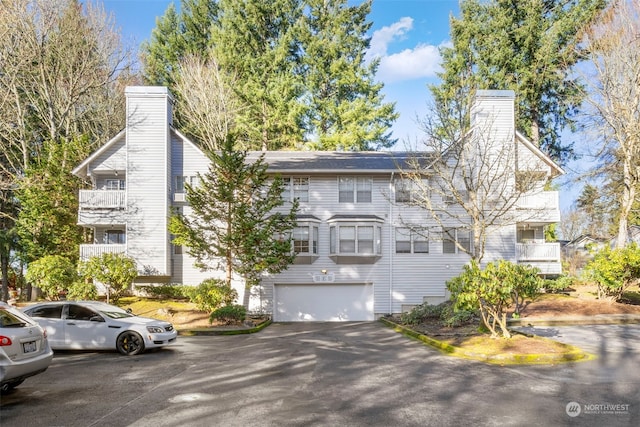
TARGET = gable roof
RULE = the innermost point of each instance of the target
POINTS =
(81, 169)
(540, 154)
(335, 161)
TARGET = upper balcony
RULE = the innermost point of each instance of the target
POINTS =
(102, 199)
(91, 250)
(544, 256)
(542, 207)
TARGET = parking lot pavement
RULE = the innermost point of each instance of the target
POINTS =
(320, 374)
(601, 340)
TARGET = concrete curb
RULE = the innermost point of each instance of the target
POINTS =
(224, 331)
(573, 354)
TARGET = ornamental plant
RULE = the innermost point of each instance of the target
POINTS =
(614, 270)
(115, 271)
(493, 291)
(52, 274)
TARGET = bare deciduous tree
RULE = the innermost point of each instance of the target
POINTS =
(613, 100)
(474, 178)
(63, 69)
(207, 103)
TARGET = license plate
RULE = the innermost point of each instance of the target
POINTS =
(29, 347)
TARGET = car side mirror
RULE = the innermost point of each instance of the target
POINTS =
(96, 318)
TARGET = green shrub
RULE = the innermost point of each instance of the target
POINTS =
(493, 290)
(559, 284)
(229, 314)
(52, 274)
(82, 291)
(615, 270)
(164, 291)
(420, 313)
(211, 294)
(457, 318)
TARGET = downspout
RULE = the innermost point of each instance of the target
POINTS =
(391, 237)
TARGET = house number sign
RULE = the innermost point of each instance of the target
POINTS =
(324, 278)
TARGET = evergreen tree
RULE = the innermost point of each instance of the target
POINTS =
(176, 36)
(47, 195)
(528, 46)
(237, 218)
(255, 43)
(345, 108)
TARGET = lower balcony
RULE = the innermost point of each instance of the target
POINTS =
(544, 256)
(90, 250)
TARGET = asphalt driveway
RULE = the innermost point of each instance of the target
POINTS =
(320, 374)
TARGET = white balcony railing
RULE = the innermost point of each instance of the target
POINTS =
(102, 199)
(90, 250)
(528, 252)
(547, 200)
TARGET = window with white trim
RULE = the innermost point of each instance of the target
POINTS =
(115, 184)
(354, 189)
(305, 239)
(451, 236)
(181, 180)
(355, 239)
(403, 191)
(295, 187)
(411, 242)
(115, 237)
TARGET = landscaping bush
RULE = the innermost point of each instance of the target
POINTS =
(211, 294)
(455, 318)
(164, 291)
(82, 291)
(493, 290)
(52, 274)
(444, 313)
(615, 270)
(559, 284)
(420, 313)
(229, 314)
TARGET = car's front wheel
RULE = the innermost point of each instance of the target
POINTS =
(10, 386)
(130, 343)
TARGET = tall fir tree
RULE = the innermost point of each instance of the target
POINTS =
(528, 46)
(177, 34)
(238, 222)
(345, 106)
(255, 43)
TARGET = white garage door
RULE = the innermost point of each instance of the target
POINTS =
(323, 303)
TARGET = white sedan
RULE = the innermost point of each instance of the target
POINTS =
(93, 325)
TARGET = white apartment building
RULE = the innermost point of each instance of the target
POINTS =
(356, 258)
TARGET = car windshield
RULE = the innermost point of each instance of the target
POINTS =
(114, 312)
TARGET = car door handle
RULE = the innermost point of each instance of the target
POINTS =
(71, 323)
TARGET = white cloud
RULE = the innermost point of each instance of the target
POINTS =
(382, 37)
(420, 62)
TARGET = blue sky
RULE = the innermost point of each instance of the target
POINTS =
(405, 35)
